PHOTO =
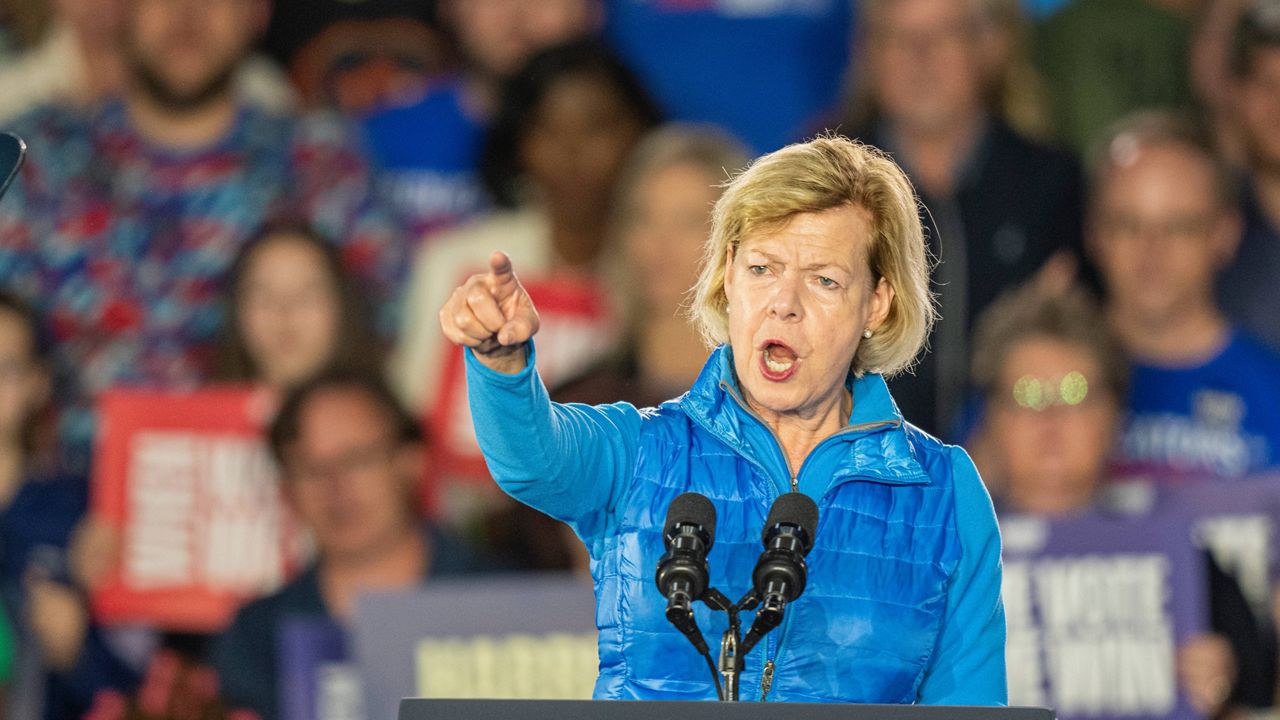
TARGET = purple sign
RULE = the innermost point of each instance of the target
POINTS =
(1237, 521)
(318, 681)
(506, 637)
(1096, 607)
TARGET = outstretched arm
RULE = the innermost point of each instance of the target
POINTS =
(572, 462)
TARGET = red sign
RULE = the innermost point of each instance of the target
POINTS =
(188, 481)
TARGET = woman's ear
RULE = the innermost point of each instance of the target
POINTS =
(880, 304)
(728, 269)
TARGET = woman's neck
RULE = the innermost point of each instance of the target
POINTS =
(402, 562)
(800, 432)
(670, 354)
(935, 155)
(576, 236)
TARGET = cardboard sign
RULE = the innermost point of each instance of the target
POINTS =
(507, 637)
(188, 482)
(577, 330)
(1096, 607)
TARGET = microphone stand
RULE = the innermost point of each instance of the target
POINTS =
(733, 649)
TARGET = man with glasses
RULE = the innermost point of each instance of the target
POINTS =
(1205, 397)
(351, 463)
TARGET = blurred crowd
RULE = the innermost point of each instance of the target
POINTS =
(284, 193)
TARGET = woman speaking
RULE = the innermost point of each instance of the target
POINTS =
(814, 287)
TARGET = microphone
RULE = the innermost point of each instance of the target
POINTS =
(682, 574)
(781, 572)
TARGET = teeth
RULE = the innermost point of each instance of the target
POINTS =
(776, 366)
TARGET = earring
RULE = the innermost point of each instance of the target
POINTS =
(867, 333)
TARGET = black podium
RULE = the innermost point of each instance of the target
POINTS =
(411, 709)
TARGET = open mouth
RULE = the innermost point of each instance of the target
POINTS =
(778, 361)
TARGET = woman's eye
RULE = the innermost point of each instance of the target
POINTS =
(758, 269)
(827, 282)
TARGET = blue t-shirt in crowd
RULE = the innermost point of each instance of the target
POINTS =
(768, 71)
(429, 153)
(1218, 420)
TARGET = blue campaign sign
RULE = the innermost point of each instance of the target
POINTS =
(502, 637)
(1096, 607)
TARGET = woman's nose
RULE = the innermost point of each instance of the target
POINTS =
(785, 302)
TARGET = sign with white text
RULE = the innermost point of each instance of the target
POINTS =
(187, 481)
(530, 637)
(1096, 608)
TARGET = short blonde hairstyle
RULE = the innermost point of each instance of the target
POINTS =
(825, 173)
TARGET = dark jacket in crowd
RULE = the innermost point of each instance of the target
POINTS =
(245, 656)
(1246, 288)
(1014, 205)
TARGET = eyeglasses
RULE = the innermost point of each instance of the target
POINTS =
(1184, 228)
(352, 461)
(1038, 394)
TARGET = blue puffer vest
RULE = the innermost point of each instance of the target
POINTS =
(886, 547)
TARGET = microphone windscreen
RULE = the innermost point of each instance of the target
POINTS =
(793, 508)
(692, 508)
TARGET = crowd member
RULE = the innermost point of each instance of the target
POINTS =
(1163, 225)
(1054, 381)
(76, 59)
(70, 38)
(778, 69)
(661, 218)
(125, 218)
(437, 184)
(999, 206)
(564, 128)
(62, 660)
(1247, 286)
(1213, 81)
(1104, 59)
(292, 310)
(351, 462)
(356, 56)
(660, 222)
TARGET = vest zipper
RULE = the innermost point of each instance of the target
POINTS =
(766, 680)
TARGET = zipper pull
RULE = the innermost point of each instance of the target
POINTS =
(795, 483)
(766, 680)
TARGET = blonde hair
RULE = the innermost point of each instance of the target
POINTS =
(825, 173)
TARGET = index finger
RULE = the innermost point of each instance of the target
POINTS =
(500, 264)
(502, 275)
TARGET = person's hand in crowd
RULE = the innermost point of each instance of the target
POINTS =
(492, 314)
(1207, 672)
(94, 551)
(59, 621)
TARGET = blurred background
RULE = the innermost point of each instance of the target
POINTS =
(237, 475)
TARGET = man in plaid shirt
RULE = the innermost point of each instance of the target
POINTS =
(126, 217)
